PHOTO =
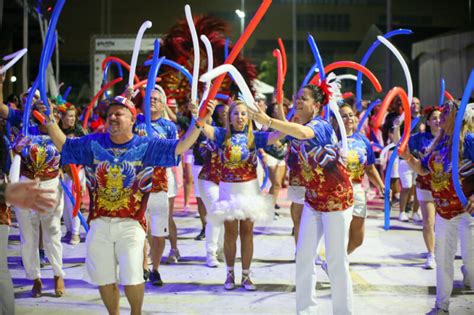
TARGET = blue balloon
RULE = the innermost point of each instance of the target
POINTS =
(155, 66)
(366, 114)
(106, 73)
(46, 53)
(291, 113)
(457, 131)
(317, 57)
(309, 75)
(176, 66)
(226, 48)
(222, 96)
(73, 201)
(267, 174)
(66, 93)
(441, 97)
(366, 57)
(48, 48)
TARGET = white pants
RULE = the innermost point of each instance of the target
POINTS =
(29, 221)
(72, 224)
(7, 298)
(209, 192)
(335, 227)
(447, 233)
(158, 209)
(196, 169)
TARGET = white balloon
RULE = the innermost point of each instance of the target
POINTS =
(346, 77)
(192, 29)
(406, 71)
(238, 79)
(14, 58)
(210, 65)
(15, 169)
(384, 153)
(136, 50)
(342, 129)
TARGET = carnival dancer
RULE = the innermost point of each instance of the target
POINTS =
(453, 221)
(158, 204)
(360, 161)
(328, 202)
(208, 182)
(25, 195)
(119, 168)
(418, 144)
(241, 203)
(40, 160)
(71, 128)
(296, 187)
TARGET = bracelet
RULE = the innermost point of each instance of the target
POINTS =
(270, 122)
(49, 121)
(198, 124)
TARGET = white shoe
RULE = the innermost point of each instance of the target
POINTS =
(403, 217)
(430, 262)
(247, 284)
(417, 217)
(173, 256)
(324, 266)
(212, 261)
(229, 283)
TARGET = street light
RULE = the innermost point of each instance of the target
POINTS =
(241, 15)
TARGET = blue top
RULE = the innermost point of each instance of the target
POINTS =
(359, 156)
(162, 128)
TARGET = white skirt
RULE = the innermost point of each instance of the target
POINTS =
(241, 201)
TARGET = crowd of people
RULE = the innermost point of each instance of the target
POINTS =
(130, 173)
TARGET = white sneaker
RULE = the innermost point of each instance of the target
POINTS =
(173, 256)
(417, 217)
(403, 217)
(430, 262)
(212, 261)
(324, 266)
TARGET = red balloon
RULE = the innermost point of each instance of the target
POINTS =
(39, 116)
(280, 78)
(124, 64)
(352, 65)
(283, 55)
(235, 52)
(77, 189)
(94, 100)
(448, 96)
(396, 91)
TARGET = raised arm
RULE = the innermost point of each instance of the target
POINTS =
(414, 163)
(194, 130)
(293, 129)
(56, 134)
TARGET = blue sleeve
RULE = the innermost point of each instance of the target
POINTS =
(15, 117)
(78, 151)
(219, 135)
(323, 132)
(261, 139)
(469, 146)
(172, 131)
(370, 152)
(413, 144)
(161, 152)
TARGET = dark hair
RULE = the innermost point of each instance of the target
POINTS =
(316, 93)
(215, 115)
(428, 117)
(271, 109)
